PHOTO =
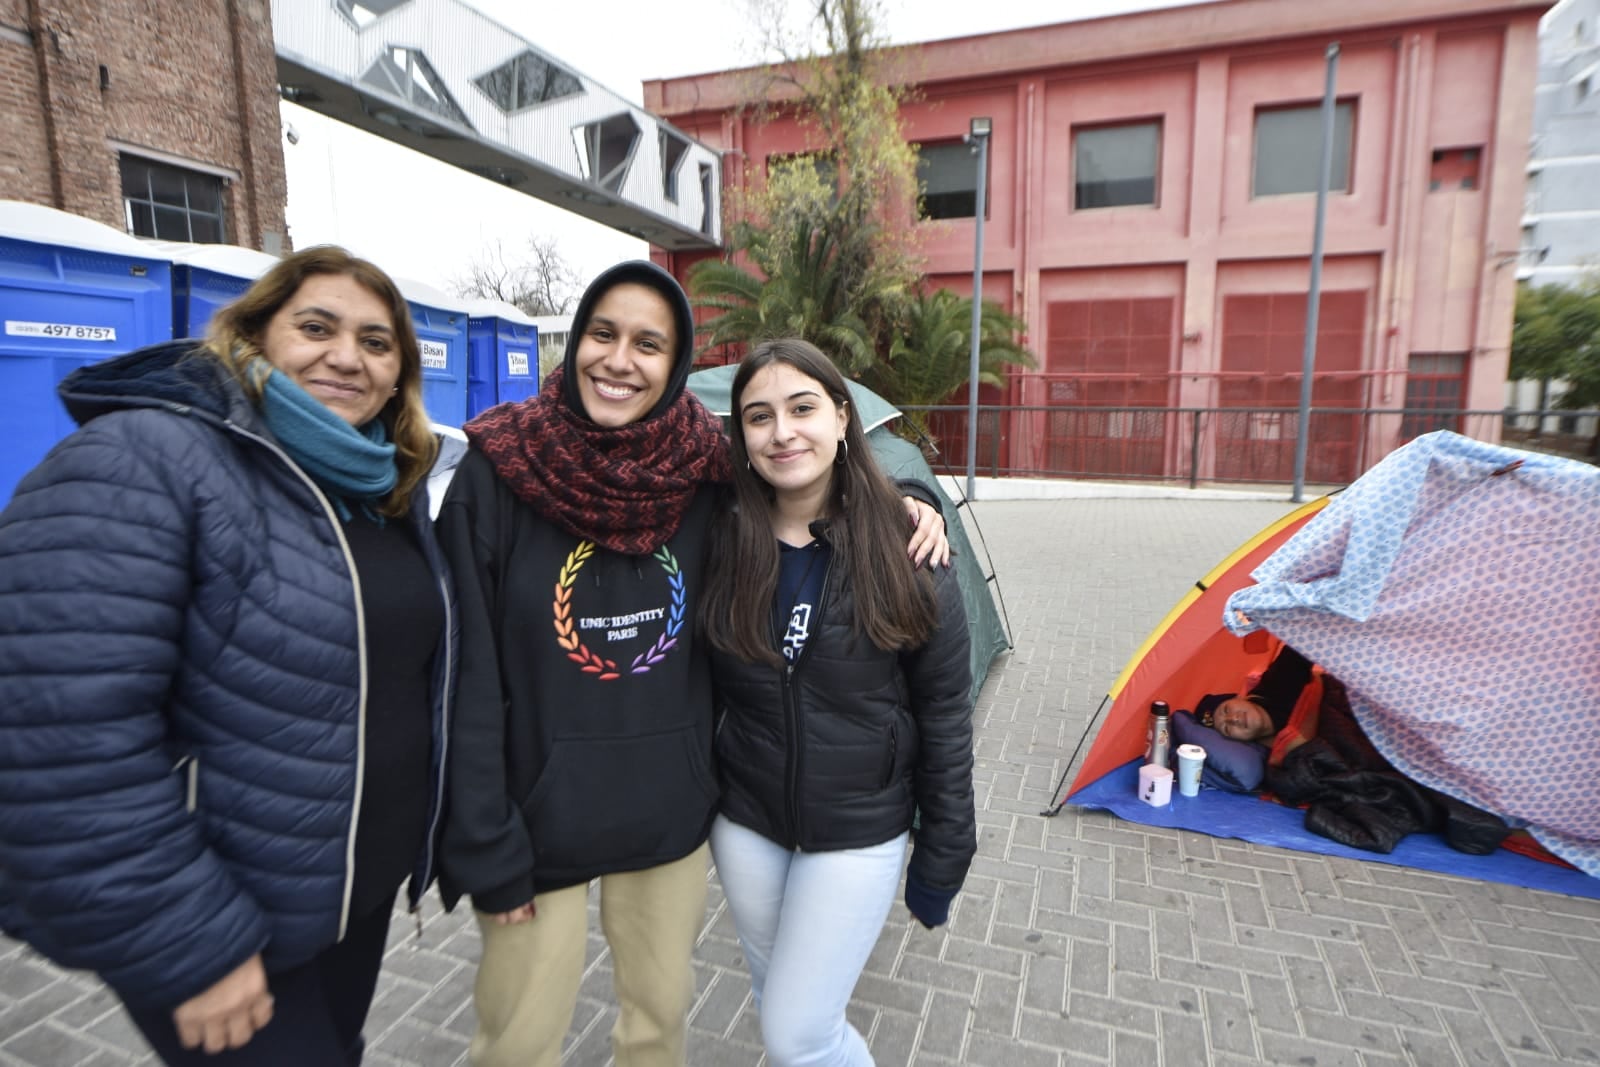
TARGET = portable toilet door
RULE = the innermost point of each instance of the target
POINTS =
(441, 324)
(205, 277)
(72, 292)
(502, 355)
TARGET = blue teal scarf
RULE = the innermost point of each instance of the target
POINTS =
(353, 466)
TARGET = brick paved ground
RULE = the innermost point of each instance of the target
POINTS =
(1079, 939)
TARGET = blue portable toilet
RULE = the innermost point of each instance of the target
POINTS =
(72, 292)
(502, 355)
(441, 324)
(205, 277)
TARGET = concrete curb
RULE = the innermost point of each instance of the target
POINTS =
(1064, 489)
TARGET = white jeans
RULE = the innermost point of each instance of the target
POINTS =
(808, 922)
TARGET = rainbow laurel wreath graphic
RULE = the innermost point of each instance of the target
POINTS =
(579, 653)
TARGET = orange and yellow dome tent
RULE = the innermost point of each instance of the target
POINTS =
(1188, 655)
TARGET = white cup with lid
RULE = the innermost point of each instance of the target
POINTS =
(1191, 758)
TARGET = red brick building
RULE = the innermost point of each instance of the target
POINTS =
(1150, 213)
(159, 117)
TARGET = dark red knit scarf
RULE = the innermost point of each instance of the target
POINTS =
(627, 488)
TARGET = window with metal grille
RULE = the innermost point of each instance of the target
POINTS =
(947, 175)
(174, 204)
(1115, 166)
(1288, 149)
(1434, 381)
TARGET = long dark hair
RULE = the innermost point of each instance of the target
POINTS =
(867, 529)
(234, 340)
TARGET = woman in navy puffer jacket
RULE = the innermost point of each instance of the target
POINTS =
(226, 646)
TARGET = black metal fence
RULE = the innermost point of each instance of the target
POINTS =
(1233, 445)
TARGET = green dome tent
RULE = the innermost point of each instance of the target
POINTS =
(901, 459)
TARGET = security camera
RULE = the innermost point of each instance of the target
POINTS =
(292, 134)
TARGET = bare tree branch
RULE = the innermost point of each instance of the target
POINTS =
(539, 280)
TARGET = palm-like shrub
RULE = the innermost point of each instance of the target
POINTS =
(929, 360)
(799, 287)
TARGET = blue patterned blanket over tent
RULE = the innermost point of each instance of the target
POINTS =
(1455, 590)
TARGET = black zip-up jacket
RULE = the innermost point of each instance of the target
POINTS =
(841, 749)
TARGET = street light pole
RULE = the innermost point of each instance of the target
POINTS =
(978, 137)
(1330, 103)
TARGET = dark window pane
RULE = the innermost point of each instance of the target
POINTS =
(135, 179)
(948, 175)
(142, 222)
(1289, 149)
(167, 187)
(610, 143)
(705, 198)
(673, 148)
(953, 205)
(1115, 166)
(205, 229)
(205, 193)
(526, 80)
(172, 224)
(500, 85)
(539, 81)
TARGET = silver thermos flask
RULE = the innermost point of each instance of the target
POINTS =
(1158, 737)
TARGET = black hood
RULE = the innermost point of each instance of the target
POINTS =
(640, 272)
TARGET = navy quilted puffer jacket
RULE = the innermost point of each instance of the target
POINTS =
(181, 689)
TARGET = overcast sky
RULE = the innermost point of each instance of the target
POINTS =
(425, 220)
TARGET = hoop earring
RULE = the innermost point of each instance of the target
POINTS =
(749, 467)
(843, 454)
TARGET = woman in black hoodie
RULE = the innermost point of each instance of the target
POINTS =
(581, 747)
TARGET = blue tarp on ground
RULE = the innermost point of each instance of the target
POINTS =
(1247, 817)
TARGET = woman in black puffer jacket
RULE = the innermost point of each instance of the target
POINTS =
(843, 680)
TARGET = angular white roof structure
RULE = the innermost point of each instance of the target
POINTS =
(442, 78)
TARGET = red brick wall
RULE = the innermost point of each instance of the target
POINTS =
(24, 162)
(191, 79)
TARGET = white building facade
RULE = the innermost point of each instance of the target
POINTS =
(1561, 224)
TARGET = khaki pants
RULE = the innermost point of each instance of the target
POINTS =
(528, 978)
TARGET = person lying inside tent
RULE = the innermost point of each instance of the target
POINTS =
(1293, 732)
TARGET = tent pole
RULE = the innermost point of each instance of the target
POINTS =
(1055, 808)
